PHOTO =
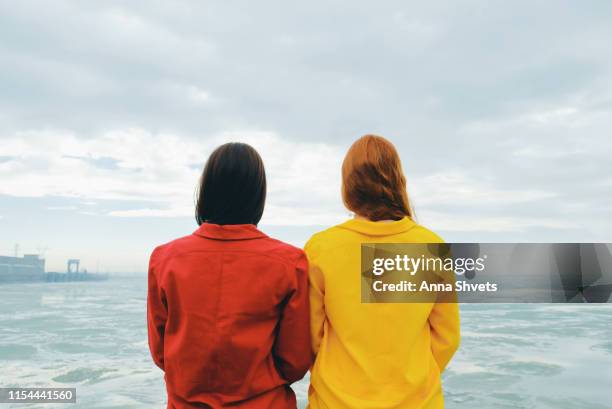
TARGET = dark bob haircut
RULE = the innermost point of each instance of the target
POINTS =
(232, 188)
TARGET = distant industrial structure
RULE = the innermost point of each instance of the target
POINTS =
(31, 268)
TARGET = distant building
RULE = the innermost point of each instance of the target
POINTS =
(30, 267)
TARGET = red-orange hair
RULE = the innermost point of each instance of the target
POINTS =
(373, 183)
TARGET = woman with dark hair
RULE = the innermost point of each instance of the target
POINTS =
(228, 305)
(373, 355)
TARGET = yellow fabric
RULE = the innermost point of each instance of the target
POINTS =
(373, 356)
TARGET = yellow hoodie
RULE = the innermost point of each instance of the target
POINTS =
(373, 356)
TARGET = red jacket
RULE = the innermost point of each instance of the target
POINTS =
(228, 318)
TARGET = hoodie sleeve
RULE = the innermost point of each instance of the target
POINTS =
(317, 295)
(444, 326)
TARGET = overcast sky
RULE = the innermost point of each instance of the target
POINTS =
(501, 112)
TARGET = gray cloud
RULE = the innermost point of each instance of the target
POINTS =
(316, 71)
(513, 98)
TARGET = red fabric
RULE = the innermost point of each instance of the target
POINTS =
(228, 318)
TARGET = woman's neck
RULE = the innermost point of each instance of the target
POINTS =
(359, 217)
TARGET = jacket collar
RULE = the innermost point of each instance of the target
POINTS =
(229, 231)
(371, 228)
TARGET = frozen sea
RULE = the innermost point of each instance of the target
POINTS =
(92, 336)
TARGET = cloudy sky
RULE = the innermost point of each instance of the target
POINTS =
(501, 111)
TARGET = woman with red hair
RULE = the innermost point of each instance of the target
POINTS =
(373, 355)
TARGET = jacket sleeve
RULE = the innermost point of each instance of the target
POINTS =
(444, 325)
(292, 349)
(157, 313)
(444, 320)
(316, 295)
